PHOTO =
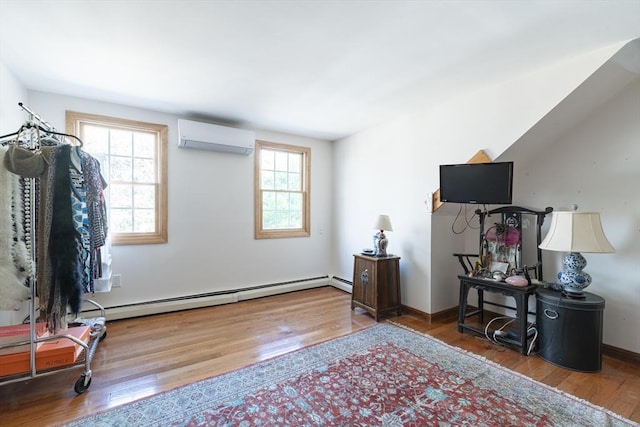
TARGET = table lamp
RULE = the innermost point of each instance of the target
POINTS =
(382, 223)
(575, 232)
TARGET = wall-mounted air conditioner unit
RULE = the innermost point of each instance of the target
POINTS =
(207, 136)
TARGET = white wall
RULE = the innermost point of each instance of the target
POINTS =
(12, 92)
(211, 246)
(597, 167)
(393, 167)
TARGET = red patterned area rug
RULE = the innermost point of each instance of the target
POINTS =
(381, 376)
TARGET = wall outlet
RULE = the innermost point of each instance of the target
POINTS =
(428, 202)
(116, 281)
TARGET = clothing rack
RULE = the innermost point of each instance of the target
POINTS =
(96, 326)
(36, 117)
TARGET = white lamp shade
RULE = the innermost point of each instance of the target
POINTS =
(383, 223)
(576, 232)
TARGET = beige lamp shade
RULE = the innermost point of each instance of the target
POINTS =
(572, 231)
(383, 223)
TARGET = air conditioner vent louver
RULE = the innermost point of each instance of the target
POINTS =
(207, 136)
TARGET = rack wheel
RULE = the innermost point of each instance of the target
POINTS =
(80, 386)
(104, 336)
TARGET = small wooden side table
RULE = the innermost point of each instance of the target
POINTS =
(376, 284)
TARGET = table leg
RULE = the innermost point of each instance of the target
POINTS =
(462, 304)
(522, 302)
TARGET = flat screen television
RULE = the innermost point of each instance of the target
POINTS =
(478, 183)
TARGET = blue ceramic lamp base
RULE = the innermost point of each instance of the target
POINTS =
(572, 278)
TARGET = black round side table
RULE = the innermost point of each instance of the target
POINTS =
(570, 330)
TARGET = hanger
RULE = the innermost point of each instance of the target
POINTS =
(63, 134)
(12, 133)
(16, 134)
(40, 128)
(37, 123)
(53, 132)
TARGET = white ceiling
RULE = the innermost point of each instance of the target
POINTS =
(325, 69)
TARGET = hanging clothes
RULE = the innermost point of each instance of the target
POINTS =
(96, 212)
(65, 244)
(68, 229)
(79, 214)
(12, 281)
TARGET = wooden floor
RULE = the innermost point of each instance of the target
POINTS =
(144, 356)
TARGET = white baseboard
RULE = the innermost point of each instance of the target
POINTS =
(339, 284)
(280, 289)
(125, 312)
(197, 301)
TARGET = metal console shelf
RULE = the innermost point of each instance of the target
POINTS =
(520, 295)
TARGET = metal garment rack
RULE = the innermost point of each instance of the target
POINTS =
(98, 325)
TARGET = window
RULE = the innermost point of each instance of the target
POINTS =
(133, 161)
(282, 190)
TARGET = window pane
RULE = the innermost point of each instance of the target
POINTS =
(121, 143)
(121, 220)
(121, 168)
(144, 221)
(144, 196)
(295, 182)
(282, 201)
(295, 219)
(144, 170)
(268, 159)
(295, 162)
(95, 139)
(144, 145)
(268, 180)
(281, 161)
(282, 219)
(295, 202)
(268, 201)
(121, 196)
(269, 220)
(282, 181)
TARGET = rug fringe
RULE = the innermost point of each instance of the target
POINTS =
(518, 374)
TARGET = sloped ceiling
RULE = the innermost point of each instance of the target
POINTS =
(604, 84)
(323, 69)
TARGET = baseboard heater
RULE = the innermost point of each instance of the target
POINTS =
(209, 299)
(343, 284)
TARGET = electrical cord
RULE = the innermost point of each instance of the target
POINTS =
(500, 332)
(533, 341)
(495, 333)
(466, 220)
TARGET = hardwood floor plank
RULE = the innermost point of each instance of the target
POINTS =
(145, 356)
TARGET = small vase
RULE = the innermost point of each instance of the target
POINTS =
(381, 245)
